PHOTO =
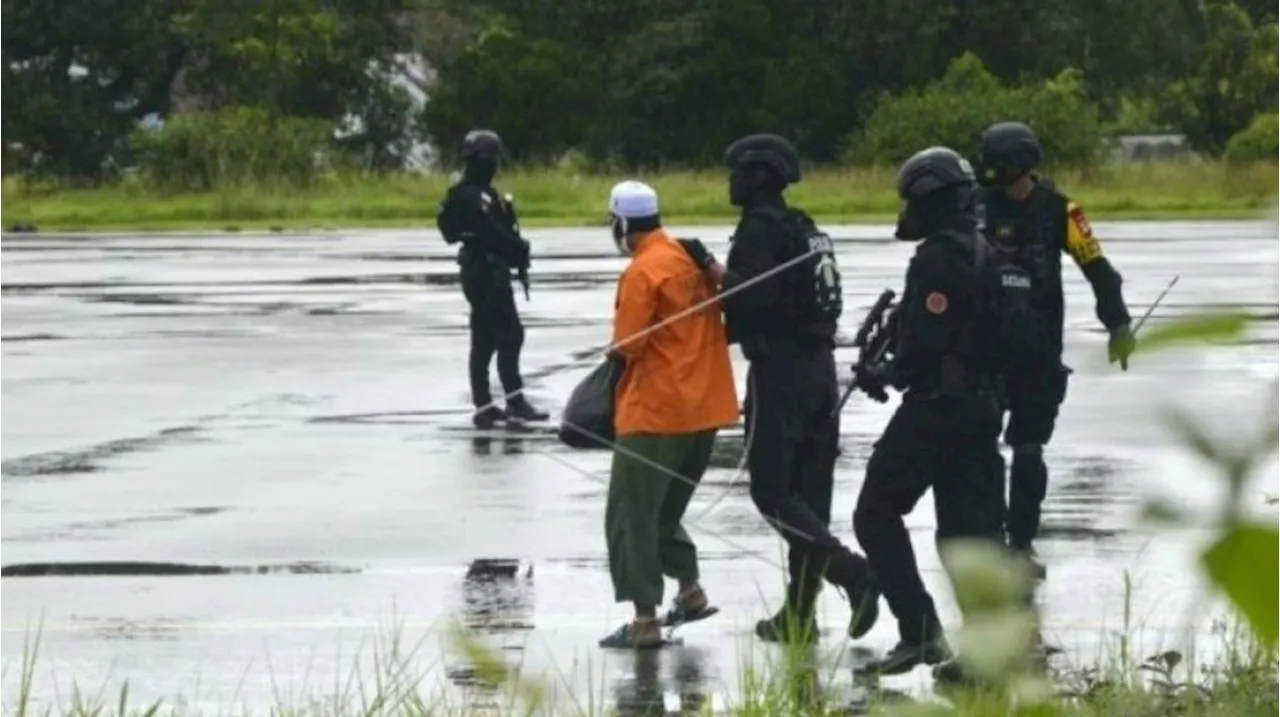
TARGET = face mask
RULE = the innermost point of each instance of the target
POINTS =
(482, 168)
(740, 187)
(618, 227)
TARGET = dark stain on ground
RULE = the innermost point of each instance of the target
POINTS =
(71, 529)
(392, 417)
(138, 299)
(86, 460)
(160, 569)
(1083, 495)
(33, 337)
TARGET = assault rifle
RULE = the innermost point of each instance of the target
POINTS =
(873, 341)
(523, 270)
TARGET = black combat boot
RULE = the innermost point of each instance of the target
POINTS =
(485, 418)
(520, 409)
(1031, 559)
(865, 604)
(788, 626)
(908, 653)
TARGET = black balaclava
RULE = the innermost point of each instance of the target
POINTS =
(480, 169)
(755, 185)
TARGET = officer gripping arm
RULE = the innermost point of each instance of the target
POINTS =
(1105, 281)
(761, 167)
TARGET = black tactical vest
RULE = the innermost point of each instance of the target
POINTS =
(1033, 233)
(815, 296)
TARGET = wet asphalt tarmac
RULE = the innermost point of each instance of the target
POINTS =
(285, 419)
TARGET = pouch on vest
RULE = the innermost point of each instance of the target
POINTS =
(587, 420)
(817, 294)
(448, 222)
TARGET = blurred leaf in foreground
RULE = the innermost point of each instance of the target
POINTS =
(1205, 328)
(985, 576)
(1245, 564)
(1163, 511)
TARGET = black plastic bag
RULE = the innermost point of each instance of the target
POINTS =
(587, 419)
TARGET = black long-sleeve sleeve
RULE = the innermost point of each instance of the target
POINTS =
(940, 292)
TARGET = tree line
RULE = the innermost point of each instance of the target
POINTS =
(262, 87)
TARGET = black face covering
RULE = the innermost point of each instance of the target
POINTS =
(481, 169)
(752, 185)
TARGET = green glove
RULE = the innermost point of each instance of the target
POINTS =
(1121, 345)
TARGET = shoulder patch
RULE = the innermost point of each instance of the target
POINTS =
(1077, 216)
(936, 303)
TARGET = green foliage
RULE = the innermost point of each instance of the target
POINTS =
(954, 109)
(1233, 78)
(205, 150)
(1243, 563)
(1259, 142)
(529, 90)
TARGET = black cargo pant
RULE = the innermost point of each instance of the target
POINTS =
(1033, 399)
(951, 445)
(495, 326)
(792, 442)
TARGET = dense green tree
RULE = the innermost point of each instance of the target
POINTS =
(628, 82)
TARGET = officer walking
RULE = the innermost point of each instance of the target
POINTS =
(484, 223)
(951, 343)
(1028, 216)
(785, 323)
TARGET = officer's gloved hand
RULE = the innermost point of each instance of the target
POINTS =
(872, 380)
(1121, 346)
(696, 251)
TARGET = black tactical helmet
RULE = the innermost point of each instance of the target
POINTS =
(768, 149)
(936, 186)
(931, 170)
(481, 143)
(1007, 151)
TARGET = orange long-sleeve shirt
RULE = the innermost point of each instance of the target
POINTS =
(678, 378)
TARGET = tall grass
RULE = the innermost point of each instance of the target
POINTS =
(1241, 683)
(1187, 189)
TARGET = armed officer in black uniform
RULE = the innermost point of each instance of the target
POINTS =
(785, 322)
(474, 215)
(960, 319)
(1027, 215)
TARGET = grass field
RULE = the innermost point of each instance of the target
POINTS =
(1169, 190)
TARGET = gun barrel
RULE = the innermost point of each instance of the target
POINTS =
(873, 317)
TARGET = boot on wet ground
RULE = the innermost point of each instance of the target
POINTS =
(907, 654)
(788, 627)
(864, 602)
(487, 417)
(1031, 559)
(520, 409)
(639, 634)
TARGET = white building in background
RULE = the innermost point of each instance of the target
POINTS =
(1138, 147)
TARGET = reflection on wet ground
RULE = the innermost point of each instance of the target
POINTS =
(221, 450)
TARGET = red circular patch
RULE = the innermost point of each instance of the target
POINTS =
(936, 303)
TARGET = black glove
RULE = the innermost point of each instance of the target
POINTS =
(1121, 345)
(871, 380)
(696, 251)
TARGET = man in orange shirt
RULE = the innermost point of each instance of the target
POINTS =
(676, 392)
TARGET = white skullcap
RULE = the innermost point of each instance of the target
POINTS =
(632, 200)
